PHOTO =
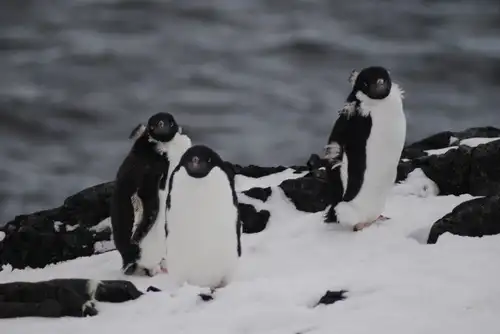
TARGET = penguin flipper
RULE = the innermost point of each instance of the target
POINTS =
(148, 193)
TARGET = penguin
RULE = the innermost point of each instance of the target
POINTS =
(138, 203)
(364, 148)
(203, 221)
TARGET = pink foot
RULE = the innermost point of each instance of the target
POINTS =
(360, 226)
(163, 266)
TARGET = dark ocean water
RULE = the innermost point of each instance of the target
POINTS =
(260, 81)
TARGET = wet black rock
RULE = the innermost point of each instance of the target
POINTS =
(446, 139)
(261, 194)
(253, 220)
(258, 171)
(331, 297)
(475, 218)
(308, 193)
(462, 170)
(61, 297)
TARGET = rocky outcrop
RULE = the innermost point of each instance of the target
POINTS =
(331, 297)
(461, 170)
(446, 139)
(475, 218)
(73, 297)
(464, 165)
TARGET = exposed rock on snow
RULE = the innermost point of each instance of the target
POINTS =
(446, 139)
(474, 218)
(465, 170)
(62, 297)
(331, 297)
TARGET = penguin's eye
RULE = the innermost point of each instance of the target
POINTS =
(209, 160)
(160, 124)
(171, 123)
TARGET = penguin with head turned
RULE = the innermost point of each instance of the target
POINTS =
(203, 223)
(142, 182)
(364, 148)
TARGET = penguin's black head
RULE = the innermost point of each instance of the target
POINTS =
(162, 127)
(375, 82)
(199, 160)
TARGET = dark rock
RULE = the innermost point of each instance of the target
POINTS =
(61, 297)
(257, 171)
(32, 247)
(117, 291)
(253, 221)
(308, 193)
(464, 170)
(474, 218)
(438, 140)
(152, 289)
(206, 297)
(450, 171)
(478, 132)
(89, 206)
(46, 309)
(259, 193)
(447, 139)
(331, 297)
(484, 177)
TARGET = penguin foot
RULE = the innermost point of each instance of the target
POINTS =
(163, 266)
(360, 226)
(138, 270)
(330, 216)
(129, 269)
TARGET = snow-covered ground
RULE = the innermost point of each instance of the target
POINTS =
(397, 284)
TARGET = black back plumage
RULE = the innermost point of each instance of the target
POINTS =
(141, 172)
(351, 132)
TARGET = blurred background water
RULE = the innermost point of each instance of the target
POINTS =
(260, 81)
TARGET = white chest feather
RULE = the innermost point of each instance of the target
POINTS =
(202, 241)
(153, 246)
(175, 149)
(383, 151)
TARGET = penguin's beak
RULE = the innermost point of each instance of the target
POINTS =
(197, 167)
(380, 88)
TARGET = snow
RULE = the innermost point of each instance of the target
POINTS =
(57, 226)
(396, 283)
(471, 142)
(418, 184)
